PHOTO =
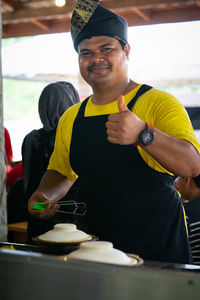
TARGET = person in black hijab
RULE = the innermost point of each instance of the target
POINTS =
(38, 145)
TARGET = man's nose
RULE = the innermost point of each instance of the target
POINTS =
(97, 57)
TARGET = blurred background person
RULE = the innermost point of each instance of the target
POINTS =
(15, 202)
(13, 168)
(189, 188)
(38, 146)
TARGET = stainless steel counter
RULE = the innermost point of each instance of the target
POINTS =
(30, 276)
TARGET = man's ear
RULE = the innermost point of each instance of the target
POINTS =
(127, 48)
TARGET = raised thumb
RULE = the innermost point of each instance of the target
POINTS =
(121, 105)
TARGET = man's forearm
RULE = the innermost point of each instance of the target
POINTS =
(54, 185)
(178, 156)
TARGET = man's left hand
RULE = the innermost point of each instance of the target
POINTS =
(124, 127)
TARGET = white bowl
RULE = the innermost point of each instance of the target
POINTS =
(102, 251)
(64, 233)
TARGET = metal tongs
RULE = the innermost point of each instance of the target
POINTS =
(79, 207)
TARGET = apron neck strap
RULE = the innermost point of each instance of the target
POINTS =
(143, 89)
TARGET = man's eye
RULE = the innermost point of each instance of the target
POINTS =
(84, 53)
(106, 49)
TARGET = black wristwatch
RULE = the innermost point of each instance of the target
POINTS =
(146, 136)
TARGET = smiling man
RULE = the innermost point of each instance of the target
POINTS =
(102, 62)
(124, 143)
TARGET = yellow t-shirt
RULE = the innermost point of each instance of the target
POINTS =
(158, 108)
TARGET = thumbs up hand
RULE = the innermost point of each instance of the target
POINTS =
(124, 127)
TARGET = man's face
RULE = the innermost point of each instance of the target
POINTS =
(102, 60)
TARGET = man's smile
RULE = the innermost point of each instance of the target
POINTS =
(98, 68)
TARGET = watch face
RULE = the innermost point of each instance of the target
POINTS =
(146, 137)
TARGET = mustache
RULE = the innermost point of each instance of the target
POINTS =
(98, 65)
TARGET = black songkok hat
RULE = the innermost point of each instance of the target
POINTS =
(91, 19)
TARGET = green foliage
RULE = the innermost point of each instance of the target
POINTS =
(20, 99)
(12, 41)
(187, 89)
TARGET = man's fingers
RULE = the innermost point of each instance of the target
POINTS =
(112, 133)
(45, 213)
(113, 140)
(111, 124)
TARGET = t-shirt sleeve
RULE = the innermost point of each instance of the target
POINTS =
(167, 114)
(173, 119)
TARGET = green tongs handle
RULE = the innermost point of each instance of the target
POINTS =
(39, 205)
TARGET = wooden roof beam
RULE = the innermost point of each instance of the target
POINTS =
(116, 5)
(164, 16)
(63, 25)
(39, 24)
(141, 14)
(19, 30)
(22, 15)
(13, 4)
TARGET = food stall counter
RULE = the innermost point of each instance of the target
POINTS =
(28, 275)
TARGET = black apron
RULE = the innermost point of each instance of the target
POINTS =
(128, 203)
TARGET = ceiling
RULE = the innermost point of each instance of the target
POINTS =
(35, 17)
